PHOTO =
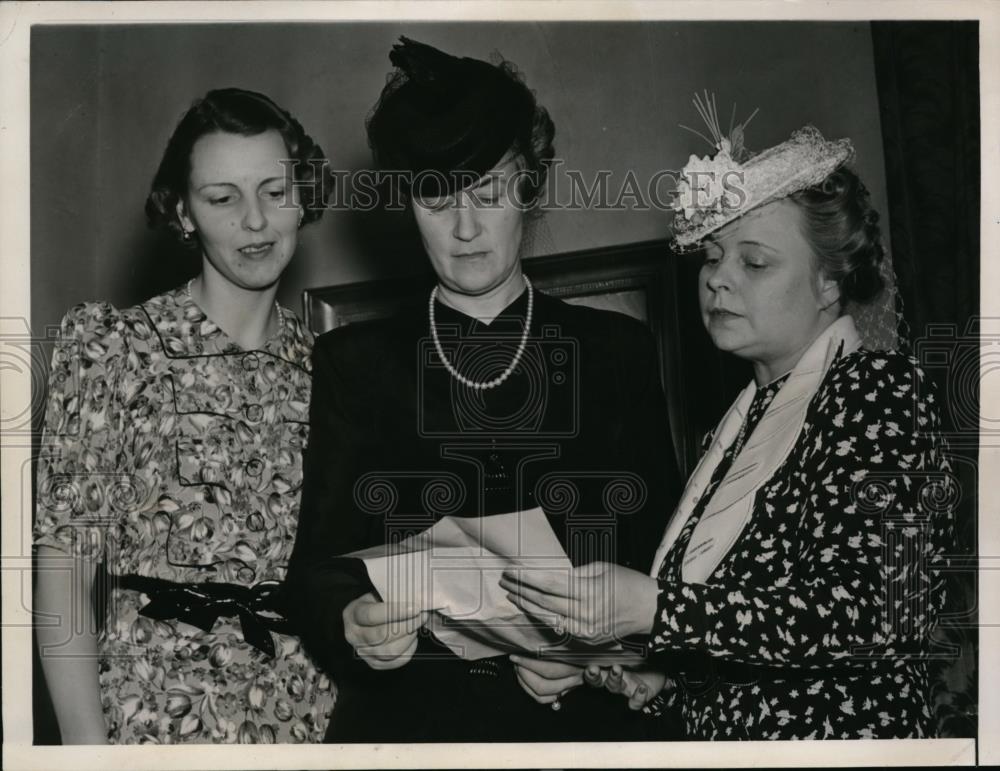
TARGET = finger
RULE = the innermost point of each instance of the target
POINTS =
(378, 613)
(639, 699)
(403, 611)
(549, 686)
(368, 613)
(541, 699)
(551, 581)
(615, 682)
(389, 650)
(554, 602)
(594, 676)
(395, 662)
(350, 612)
(382, 634)
(630, 683)
(554, 582)
(376, 633)
(546, 616)
(547, 669)
(547, 676)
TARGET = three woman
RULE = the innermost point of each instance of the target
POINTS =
(795, 588)
(172, 455)
(491, 398)
(792, 594)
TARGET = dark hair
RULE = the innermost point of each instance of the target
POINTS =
(457, 118)
(842, 227)
(247, 113)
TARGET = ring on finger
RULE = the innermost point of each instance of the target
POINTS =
(557, 704)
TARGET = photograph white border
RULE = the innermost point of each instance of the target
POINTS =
(16, 19)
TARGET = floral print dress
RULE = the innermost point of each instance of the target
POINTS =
(170, 452)
(817, 622)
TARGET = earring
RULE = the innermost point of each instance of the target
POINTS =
(186, 234)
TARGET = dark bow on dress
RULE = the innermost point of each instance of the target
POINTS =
(257, 607)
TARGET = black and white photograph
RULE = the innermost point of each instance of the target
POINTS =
(512, 385)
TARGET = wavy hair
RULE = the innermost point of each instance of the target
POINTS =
(247, 113)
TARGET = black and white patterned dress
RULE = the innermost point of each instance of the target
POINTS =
(816, 623)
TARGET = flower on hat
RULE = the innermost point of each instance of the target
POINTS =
(701, 186)
(715, 190)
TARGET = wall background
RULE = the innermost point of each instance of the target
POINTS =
(104, 100)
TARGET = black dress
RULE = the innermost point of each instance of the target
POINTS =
(396, 442)
(817, 623)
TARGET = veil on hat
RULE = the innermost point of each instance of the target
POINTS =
(445, 121)
(880, 322)
(705, 201)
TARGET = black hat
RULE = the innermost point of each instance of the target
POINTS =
(444, 121)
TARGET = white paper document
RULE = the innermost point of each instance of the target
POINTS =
(454, 569)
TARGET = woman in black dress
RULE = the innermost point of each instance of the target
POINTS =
(795, 587)
(490, 398)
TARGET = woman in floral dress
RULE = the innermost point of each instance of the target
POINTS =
(172, 454)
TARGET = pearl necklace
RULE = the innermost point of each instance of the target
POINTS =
(479, 386)
(277, 307)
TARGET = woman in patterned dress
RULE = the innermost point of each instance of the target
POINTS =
(795, 587)
(172, 454)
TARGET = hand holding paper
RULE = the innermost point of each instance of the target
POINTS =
(383, 634)
(454, 569)
(597, 603)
